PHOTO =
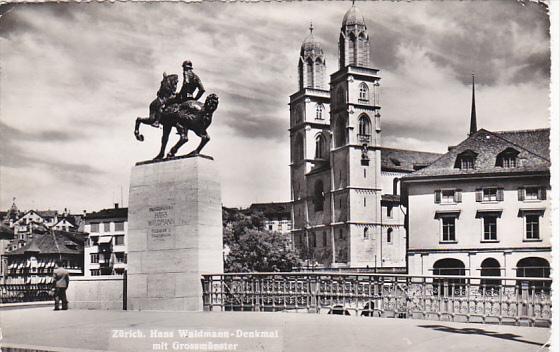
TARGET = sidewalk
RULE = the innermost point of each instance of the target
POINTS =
(75, 330)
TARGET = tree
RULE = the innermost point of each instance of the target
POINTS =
(251, 248)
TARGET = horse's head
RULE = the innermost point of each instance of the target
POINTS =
(168, 84)
(211, 103)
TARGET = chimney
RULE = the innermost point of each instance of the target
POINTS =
(116, 205)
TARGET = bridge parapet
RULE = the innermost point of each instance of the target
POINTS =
(487, 299)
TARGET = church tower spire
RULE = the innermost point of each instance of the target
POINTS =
(473, 111)
(312, 63)
(353, 43)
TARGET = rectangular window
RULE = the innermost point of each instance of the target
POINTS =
(490, 228)
(119, 226)
(448, 228)
(120, 257)
(532, 193)
(106, 227)
(490, 194)
(119, 240)
(94, 272)
(448, 196)
(94, 227)
(532, 227)
(94, 257)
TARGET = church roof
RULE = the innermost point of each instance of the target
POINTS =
(353, 17)
(311, 46)
(401, 160)
(532, 147)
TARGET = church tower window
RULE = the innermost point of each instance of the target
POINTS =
(319, 111)
(298, 150)
(364, 93)
(364, 129)
(319, 196)
(320, 147)
(340, 132)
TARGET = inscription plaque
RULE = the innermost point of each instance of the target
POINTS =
(161, 224)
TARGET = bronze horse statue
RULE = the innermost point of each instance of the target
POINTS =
(184, 116)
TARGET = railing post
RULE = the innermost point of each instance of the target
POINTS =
(313, 288)
(125, 291)
(523, 312)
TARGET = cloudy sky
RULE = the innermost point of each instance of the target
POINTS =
(75, 76)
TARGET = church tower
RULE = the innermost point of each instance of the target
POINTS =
(309, 129)
(356, 154)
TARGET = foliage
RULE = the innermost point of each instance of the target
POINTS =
(251, 248)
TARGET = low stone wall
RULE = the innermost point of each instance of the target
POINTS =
(95, 292)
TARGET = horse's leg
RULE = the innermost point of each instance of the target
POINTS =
(164, 139)
(204, 138)
(137, 134)
(182, 140)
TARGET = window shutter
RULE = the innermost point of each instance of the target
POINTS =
(521, 193)
(458, 196)
(500, 194)
(437, 197)
(479, 195)
(542, 193)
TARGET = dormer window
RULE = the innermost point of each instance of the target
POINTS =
(507, 158)
(465, 160)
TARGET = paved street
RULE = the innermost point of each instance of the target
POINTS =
(73, 330)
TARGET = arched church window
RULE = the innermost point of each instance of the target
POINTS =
(364, 93)
(353, 50)
(364, 129)
(319, 195)
(320, 147)
(366, 233)
(310, 78)
(298, 148)
(319, 111)
(389, 235)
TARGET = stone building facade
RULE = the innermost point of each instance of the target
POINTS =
(483, 208)
(105, 252)
(345, 206)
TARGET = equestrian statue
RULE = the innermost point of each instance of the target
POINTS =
(180, 110)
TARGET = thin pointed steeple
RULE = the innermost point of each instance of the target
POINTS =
(473, 111)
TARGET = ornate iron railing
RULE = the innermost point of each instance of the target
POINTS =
(14, 293)
(501, 300)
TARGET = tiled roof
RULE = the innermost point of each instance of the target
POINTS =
(405, 160)
(6, 233)
(53, 243)
(112, 213)
(532, 145)
(47, 214)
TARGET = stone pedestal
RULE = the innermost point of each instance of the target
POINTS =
(174, 233)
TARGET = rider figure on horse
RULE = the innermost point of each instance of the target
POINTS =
(184, 98)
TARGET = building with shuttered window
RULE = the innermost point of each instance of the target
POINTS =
(483, 208)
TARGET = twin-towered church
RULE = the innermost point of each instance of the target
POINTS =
(482, 208)
(344, 183)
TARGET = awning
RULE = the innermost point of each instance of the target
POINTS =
(104, 239)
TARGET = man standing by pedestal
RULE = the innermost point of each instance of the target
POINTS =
(61, 281)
